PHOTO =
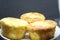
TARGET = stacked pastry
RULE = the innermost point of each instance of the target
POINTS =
(42, 30)
(32, 17)
(35, 23)
(39, 28)
(13, 28)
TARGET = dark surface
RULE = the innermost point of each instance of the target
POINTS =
(58, 22)
(15, 8)
(1, 38)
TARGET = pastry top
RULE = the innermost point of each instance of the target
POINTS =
(43, 25)
(13, 22)
(51, 22)
(33, 16)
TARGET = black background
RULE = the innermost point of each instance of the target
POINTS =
(15, 8)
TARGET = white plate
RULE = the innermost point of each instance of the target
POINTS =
(57, 33)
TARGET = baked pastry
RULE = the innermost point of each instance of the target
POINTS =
(0, 26)
(42, 30)
(32, 17)
(13, 28)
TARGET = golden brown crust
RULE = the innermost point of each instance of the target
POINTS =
(13, 22)
(43, 25)
(51, 22)
(42, 30)
(32, 17)
(13, 28)
(41, 35)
